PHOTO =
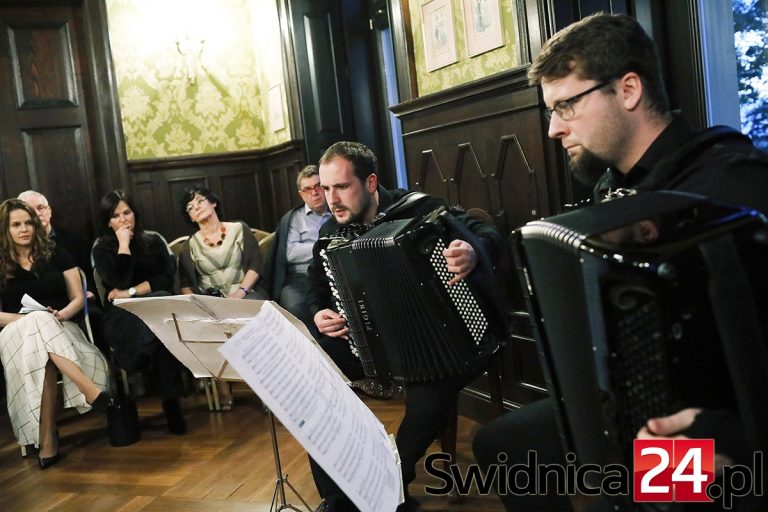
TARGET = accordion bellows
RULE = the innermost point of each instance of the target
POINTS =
(391, 284)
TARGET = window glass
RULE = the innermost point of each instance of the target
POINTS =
(750, 18)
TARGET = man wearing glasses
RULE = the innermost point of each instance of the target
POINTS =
(606, 103)
(296, 234)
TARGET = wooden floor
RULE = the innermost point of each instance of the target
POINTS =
(224, 463)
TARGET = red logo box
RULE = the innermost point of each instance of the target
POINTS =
(673, 469)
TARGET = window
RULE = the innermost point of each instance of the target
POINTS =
(750, 27)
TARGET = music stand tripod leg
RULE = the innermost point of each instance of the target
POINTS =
(281, 480)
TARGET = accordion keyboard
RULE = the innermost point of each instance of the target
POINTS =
(640, 364)
(467, 306)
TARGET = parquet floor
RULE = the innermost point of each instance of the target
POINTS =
(224, 463)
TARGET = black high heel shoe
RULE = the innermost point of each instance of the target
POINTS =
(101, 402)
(46, 462)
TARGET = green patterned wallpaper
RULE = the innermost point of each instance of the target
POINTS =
(227, 108)
(465, 69)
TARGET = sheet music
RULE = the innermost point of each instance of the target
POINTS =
(28, 305)
(193, 326)
(296, 382)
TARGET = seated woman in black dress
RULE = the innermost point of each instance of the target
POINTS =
(132, 263)
(34, 345)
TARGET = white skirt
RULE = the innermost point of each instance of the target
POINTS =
(24, 347)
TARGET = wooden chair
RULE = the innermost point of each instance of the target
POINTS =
(494, 373)
(103, 293)
(259, 234)
(176, 245)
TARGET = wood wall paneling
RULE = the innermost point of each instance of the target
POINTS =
(39, 85)
(256, 187)
(45, 140)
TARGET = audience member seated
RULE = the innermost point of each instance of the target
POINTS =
(221, 258)
(34, 345)
(77, 247)
(133, 263)
(296, 234)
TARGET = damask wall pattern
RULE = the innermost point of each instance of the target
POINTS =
(226, 109)
(465, 69)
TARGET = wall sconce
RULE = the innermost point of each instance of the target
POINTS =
(190, 48)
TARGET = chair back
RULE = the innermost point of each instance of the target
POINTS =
(86, 316)
(259, 234)
(265, 245)
(176, 244)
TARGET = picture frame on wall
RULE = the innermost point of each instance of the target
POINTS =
(482, 22)
(439, 36)
(275, 101)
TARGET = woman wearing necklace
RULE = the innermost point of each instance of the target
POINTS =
(221, 258)
(134, 263)
(34, 345)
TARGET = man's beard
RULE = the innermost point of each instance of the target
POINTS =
(587, 168)
(359, 217)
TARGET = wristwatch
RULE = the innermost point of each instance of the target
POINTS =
(132, 291)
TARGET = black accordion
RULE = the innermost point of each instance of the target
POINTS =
(390, 283)
(642, 306)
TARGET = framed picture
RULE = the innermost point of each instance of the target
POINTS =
(275, 99)
(439, 39)
(482, 20)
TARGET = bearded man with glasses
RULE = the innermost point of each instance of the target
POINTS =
(606, 103)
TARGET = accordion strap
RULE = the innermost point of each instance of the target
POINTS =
(403, 204)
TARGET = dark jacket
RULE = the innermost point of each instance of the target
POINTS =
(718, 162)
(79, 248)
(276, 267)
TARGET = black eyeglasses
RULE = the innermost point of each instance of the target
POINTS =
(564, 108)
(307, 190)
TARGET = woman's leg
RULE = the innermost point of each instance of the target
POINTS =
(76, 375)
(49, 442)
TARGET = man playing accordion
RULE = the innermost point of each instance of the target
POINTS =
(348, 177)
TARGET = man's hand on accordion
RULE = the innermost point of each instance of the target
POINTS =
(670, 427)
(331, 324)
(461, 259)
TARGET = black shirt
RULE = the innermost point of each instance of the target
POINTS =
(730, 170)
(149, 261)
(44, 282)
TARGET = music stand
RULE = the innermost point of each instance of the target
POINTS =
(282, 480)
(175, 320)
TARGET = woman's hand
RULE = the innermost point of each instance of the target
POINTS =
(237, 294)
(117, 294)
(59, 315)
(124, 235)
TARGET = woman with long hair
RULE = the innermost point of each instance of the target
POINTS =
(220, 258)
(34, 345)
(135, 263)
